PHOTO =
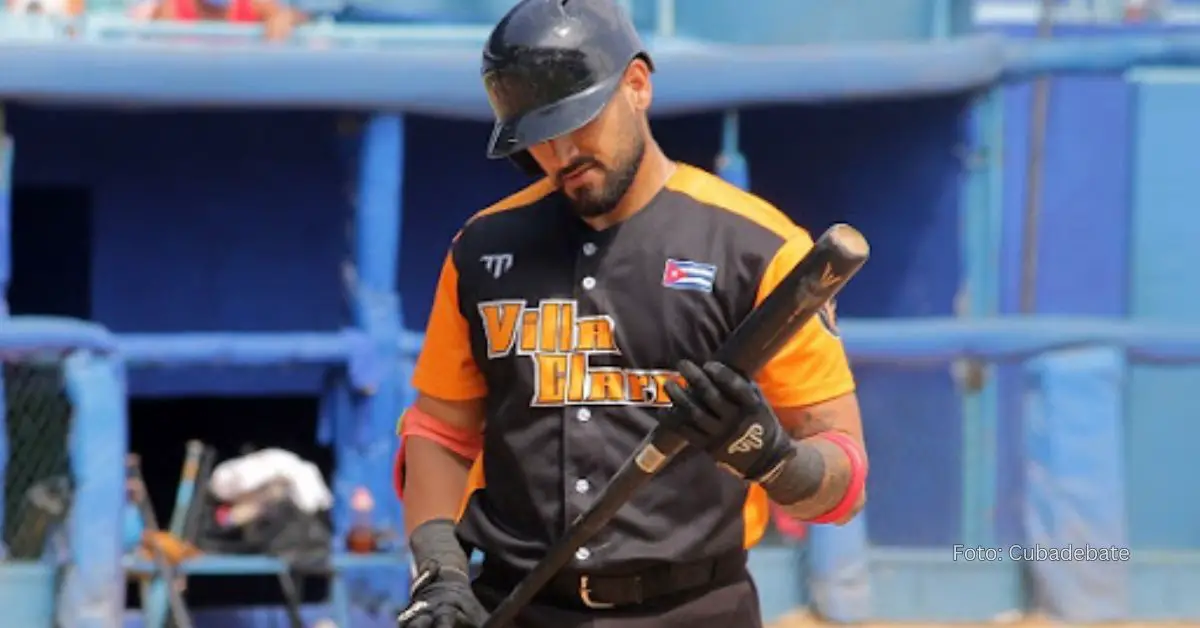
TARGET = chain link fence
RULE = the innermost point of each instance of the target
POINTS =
(64, 436)
(37, 472)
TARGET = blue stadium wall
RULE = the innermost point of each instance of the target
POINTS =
(237, 221)
(1087, 183)
(1118, 229)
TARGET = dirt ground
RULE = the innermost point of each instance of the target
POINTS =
(803, 620)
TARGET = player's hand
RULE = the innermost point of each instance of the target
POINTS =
(726, 415)
(442, 598)
(441, 593)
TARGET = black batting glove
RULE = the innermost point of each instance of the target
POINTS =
(441, 594)
(726, 415)
(442, 598)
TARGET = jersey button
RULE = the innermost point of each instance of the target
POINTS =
(584, 415)
(583, 553)
(588, 283)
(582, 486)
(589, 249)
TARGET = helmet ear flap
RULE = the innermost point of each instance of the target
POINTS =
(526, 163)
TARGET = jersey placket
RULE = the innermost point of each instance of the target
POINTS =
(579, 428)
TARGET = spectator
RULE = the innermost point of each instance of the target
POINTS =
(1145, 10)
(46, 7)
(278, 18)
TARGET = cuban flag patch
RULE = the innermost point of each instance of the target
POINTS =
(680, 274)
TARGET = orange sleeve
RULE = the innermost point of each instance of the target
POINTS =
(446, 368)
(812, 367)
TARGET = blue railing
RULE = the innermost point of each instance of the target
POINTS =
(1076, 371)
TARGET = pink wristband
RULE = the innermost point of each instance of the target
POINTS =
(858, 477)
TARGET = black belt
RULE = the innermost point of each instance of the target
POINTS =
(599, 591)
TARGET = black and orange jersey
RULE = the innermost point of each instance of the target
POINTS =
(569, 334)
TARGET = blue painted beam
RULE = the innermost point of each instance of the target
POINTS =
(1025, 59)
(442, 78)
(365, 442)
(980, 219)
(6, 162)
(731, 163)
(94, 590)
(932, 340)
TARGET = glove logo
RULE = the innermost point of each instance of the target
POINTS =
(411, 612)
(750, 440)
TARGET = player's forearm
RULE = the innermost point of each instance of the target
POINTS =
(831, 477)
(435, 480)
(824, 482)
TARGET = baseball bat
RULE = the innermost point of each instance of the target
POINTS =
(835, 257)
(187, 486)
(197, 507)
(155, 592)
(166, 571)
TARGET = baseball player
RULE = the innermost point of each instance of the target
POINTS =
(573, 317)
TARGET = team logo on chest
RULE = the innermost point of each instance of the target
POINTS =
(561, 344)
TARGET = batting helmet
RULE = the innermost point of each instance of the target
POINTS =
(550, 67)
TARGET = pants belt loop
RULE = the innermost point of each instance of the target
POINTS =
(639, 592)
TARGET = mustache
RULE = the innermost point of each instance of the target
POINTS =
(576, 166)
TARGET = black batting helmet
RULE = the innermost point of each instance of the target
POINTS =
(550, 67)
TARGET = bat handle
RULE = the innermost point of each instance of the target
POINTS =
(658, 449)
(654, 453)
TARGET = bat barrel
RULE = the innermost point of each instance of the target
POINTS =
(835, 257)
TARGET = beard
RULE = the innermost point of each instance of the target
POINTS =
(593, 201)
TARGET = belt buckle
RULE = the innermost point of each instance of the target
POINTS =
(585, 595)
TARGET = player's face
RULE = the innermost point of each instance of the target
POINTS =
(596, 164)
